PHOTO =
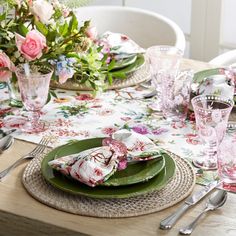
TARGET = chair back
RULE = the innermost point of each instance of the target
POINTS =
(225, 59)
(146, 28)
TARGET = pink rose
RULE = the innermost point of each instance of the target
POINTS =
(5, 75)
(92, 33)
(31, 47)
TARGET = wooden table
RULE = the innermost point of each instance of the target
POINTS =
(20, 214)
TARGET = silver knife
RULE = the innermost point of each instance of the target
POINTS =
(190, 201)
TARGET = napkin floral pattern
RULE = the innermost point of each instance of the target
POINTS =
(120, 45)
(94, 166)
(90, 167)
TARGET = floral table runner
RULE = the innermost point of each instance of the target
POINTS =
(76, 116)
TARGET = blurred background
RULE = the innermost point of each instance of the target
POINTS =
(207, 24)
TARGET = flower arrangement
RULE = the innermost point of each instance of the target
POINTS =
(46, 32)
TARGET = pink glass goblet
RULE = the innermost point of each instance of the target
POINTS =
(34, 86)
(162, 59)
(212, 114)
(227, 158)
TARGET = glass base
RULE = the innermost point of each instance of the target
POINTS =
(205, 164)
(155, 107)
(29, 127)
(14, 121)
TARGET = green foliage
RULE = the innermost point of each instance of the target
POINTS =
(74, 110)
(64, 37)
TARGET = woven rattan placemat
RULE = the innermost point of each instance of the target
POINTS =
(134, 78)
(179, 187)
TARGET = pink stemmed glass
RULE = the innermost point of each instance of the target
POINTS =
(164, 60)
(212, 114)
(34, 86)
(227, 158)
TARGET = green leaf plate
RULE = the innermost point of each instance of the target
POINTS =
(72, 186)
(125, 62)
(139, 62)
(136, 172)
(201, 75)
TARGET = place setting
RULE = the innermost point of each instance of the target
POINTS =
(104, 177)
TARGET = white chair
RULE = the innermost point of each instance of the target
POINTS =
(146, 28)
(225, 59)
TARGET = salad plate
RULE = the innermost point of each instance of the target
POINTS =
(125, 62)
(59, 181)
(136, 65)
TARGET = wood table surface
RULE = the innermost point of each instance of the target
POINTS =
(20, 214)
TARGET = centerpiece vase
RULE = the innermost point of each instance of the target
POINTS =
(14, 93)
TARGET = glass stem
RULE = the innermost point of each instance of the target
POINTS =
(34, 118)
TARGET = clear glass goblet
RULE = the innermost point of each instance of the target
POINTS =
(34, 86)
(163, 59)
(212, 114)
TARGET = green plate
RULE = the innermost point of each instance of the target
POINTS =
(134, 173)
(201, 75)
(139, 62)
(125, 62)
(74, 187)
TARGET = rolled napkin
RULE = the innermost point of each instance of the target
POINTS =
(94, 166)
(221, 84)
(119, 44)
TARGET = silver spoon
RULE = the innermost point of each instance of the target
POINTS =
(217, 200)
(5, 143)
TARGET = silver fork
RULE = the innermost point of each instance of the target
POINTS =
(34, 153)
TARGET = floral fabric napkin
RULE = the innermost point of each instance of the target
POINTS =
(94, 166)
(120, 45)
(222, 84)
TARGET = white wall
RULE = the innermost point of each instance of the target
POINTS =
(179, 11)
(106, 2)
(228, 30)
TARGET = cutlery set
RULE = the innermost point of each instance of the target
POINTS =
(7, 140)
(216, 200)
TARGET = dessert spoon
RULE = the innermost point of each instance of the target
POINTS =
(5, 143)
(215, 201)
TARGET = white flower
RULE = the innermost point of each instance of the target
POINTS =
(179, 99)
(43, 10)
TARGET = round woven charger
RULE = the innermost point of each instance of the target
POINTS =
(134, 78)
(178, 188)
